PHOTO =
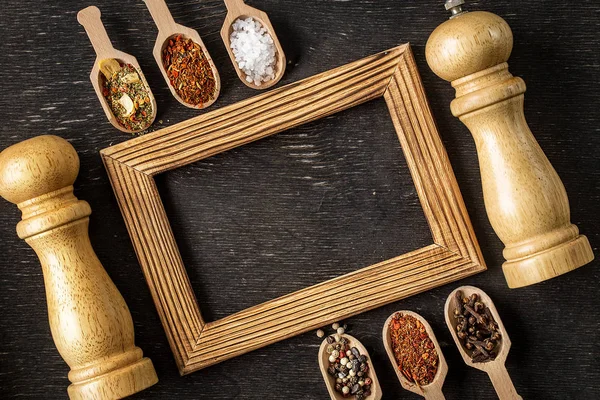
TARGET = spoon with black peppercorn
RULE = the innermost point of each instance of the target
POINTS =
(90, 19)
(237, 9)
(490, 361)
(355, 347)
(432, 391)
(169, 29)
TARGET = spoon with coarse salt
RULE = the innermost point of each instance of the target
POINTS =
(494, 368)
(238, 10)
(433, 390)
(168, 29)
(330, 381)
(108, 61)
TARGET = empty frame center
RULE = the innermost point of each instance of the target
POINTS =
(255, 231)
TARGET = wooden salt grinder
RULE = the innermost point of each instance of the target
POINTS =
(525, 199)
(89, 320)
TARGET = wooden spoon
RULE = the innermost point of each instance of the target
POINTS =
(330, 381)
(496, 368)
(90, 19)
(432, 391)
(238, 9)
(167, 28)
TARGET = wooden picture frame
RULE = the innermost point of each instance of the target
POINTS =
(132, 165)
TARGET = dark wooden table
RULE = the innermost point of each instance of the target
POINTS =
(305, 205)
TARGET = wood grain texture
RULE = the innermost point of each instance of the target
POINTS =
(525, 199)
(453, 255)
(247, 216)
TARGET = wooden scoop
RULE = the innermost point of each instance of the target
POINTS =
(330, 381)
(238, 9)
(90, 19)
(167, 28)
(495, 368)
(432, 391)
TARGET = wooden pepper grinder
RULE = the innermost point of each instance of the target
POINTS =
(89, 320)
(525, 199)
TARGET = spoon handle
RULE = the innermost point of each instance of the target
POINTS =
(161, 15)
(434, 392)
(503, 384)
(235, 6)
(89, 18)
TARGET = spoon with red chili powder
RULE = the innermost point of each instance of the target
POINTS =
(183, 60)
(415, 353)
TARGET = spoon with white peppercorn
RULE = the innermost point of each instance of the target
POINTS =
(347, 369)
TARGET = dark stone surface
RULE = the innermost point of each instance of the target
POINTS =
(305, 205)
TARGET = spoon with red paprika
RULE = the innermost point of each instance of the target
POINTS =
(183, 60)
(418, 333)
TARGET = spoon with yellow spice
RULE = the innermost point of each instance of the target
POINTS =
(118, 79)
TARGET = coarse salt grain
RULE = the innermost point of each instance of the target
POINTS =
(254, 50)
